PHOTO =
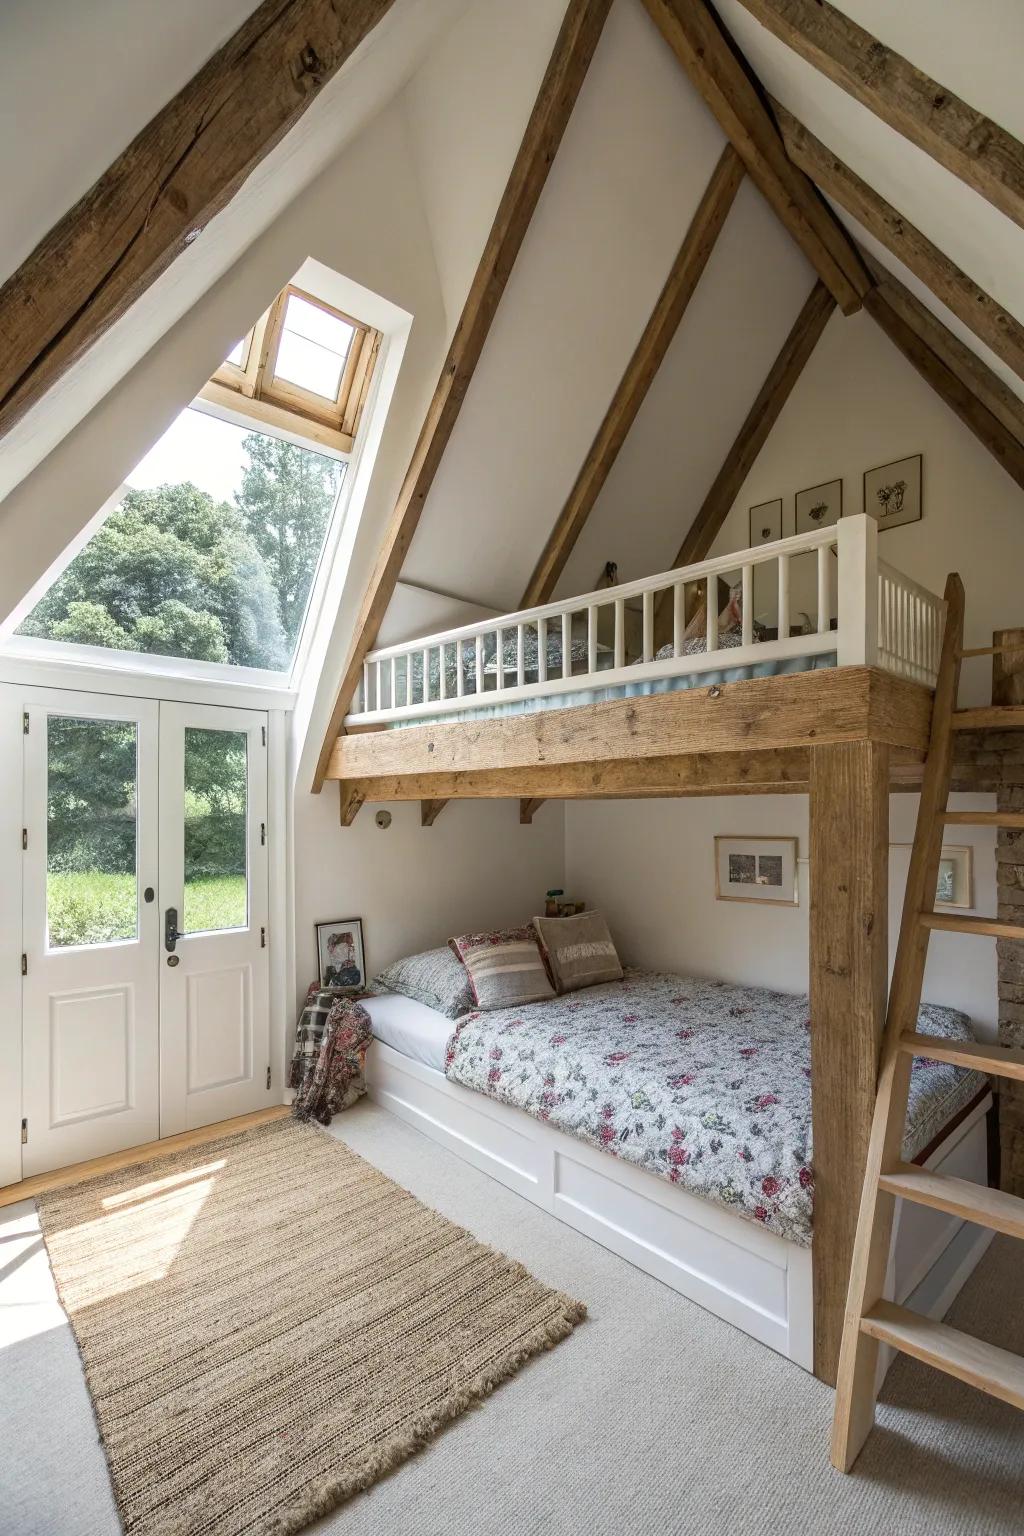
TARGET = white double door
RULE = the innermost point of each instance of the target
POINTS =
(145, 898)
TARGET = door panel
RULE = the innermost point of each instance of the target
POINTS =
(90, 994)
(214, 975)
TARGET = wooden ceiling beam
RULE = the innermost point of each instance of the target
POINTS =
(714, 65)
(567, 69)
(957, 374)
(162, 190)
(962, 139)
(753, 434)
(992, 324)
(705, 227)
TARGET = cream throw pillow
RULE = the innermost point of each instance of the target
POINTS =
(579, 950)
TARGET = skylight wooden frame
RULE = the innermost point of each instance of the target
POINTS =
(254, 388)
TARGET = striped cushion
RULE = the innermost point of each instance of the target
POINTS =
(579, 950)
(505, 968)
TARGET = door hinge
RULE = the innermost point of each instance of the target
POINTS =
(268, 1079)
(24, 965)
(263, 834)
(24, 1133)
(263, 734)
(24, 838)
(263, 938)
(24, 723)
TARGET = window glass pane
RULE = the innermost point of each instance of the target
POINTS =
(210, 556)
(216, 887)
(91, 833)
(313, 348)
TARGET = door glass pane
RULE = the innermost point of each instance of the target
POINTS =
(216, 885)
(91, 831)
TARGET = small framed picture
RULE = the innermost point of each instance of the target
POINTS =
(757, 869)
(819, 507)
(339, 953)
(766, 522)
(892, 492)
(955, 886)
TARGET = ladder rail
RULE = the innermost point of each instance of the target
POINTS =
(858, 1359)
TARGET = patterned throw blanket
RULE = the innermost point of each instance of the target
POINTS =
(701, 1082)
(326, 1071)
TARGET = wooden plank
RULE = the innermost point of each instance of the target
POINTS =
(983, 819)
(528, 808)
(751, 438)
(161, 191)
(837, 704)
(962, 139)
(430, 810)
(971, 1202)
(978, 310)
(1008, 666)
(982, 1365)
(725, 81)
(990, 717)
(1000, 1060)
(690, 262)
(849, 881)
(60, 1178)
(954, 371)
(996, 396)
(567, 69)
(350, 802)
(949, 922)
(773, 772)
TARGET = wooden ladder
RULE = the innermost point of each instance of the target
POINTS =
(870, 1319)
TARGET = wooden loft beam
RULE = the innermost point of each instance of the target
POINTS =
(528, 809)
(750, 439)
(567, 68)
(764, 714)
(992, 324)
(430, 810)
(969, 388)
(962, 139)
(697, 246)
(161, 191)
(724, 80)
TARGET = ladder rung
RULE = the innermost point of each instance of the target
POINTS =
(949, 923)
(966, 1053)
(993, 650)
(981, 1365)
(960, 1197)
(990, 717)
(982, 818)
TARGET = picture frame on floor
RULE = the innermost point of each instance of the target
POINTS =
(757, 869)
(341, 960)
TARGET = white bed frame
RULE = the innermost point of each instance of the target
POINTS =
(731, 1266)
(882, 618)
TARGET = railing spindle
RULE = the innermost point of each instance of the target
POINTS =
(824, 599)
(567, 645)
(442, 672)
(648, 626)
(747, 576)
(479, 664)
(783, 597)
(712, 607)
(380, 691)
(592, 638)
(542, 650)
(460, 679)
(678, 617)
(520, 658)
(620, 632)
(500, 658)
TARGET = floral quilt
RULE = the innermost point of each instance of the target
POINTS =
(701, 1082)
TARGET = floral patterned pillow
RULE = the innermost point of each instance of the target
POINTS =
(505, 967)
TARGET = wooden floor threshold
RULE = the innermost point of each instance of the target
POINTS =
(58, 1178)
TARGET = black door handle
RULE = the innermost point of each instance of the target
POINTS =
(171, 933)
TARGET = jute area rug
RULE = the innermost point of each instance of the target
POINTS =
(269, 1324)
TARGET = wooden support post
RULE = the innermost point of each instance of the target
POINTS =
(430, 810)
(351, 797)
(849, 880)
(527, 810)
(1008, 688)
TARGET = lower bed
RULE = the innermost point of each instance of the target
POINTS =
(754, 1270)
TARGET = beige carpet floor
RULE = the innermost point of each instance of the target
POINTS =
(268, 1324)
(653, 1419)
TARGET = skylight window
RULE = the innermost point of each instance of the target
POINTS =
(313, 348)
(236, 357)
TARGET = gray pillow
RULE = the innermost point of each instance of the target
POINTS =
(505, 967)
(435, 977)
(578, 950)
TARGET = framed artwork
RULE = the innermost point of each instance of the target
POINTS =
(341, 965)
(757, 869)
(892, 492)
(766, 522)
(954, 889)
(819, 507)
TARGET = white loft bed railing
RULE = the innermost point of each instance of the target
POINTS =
(883, 618)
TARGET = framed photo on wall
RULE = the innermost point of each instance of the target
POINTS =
(341, 964)
(819, 507)
(892, 492)
(757, 869)
(954, 888)
(766, 522)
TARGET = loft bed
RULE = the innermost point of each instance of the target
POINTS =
(838, 708)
